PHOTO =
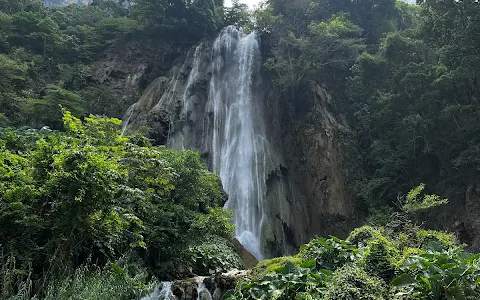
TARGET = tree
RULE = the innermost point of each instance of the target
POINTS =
(177, 19)
(89, 194)
(15, 6)
(327, 46)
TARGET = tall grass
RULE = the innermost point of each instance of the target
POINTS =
(85, 282)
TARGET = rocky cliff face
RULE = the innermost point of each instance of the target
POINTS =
(126, 69)
(305, 129)
(304, 187)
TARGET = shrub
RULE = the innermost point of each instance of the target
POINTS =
(329, 253)
(379, 258)
(288, 282)
(91, 195)
(360, 236)
(274, 265)
(212, 255)
(440, 274)
(352, 283)
(445, 240)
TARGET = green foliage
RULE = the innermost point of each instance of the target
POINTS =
(352, 282)
(218, 221)
(412, 101)
(444, 239)
(329, 253)
(47, 110)
(211, 255)
(363, 235)
(183, 21)
(43, 54)
(413, 203)
(292, 281)
(237, 14)
(323, 47)
(86, 283)
(439, 274)
(274, 265)
(375, 263)
(379, 258)
(90, 194)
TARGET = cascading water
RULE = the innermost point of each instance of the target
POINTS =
(163, 291)
(177, 140)
(240, 154)
(202, 292)
(127, 117)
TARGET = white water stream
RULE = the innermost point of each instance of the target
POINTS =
(239, 142)
(163, 291)
(202, 292)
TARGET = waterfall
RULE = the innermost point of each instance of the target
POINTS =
(239, 151)
(178, 138)
(126, 118)
(163, 291)
(202, 292)
(214, 104)
(192, 78)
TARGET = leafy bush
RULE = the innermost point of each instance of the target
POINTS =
(426, 237)
(379, 258)
(329, 253)
(273, 265)
(353, 283)
(363, 234)
(440, 274)
(288, 282)
(212, 255)
(92, 195)
(375, 263)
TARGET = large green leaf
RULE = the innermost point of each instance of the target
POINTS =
(403, 280)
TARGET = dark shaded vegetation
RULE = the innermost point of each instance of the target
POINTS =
(405, 77)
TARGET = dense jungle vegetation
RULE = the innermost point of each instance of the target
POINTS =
(89, 213)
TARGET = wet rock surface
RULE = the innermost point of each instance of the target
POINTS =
(304, 186)
(199, 288)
